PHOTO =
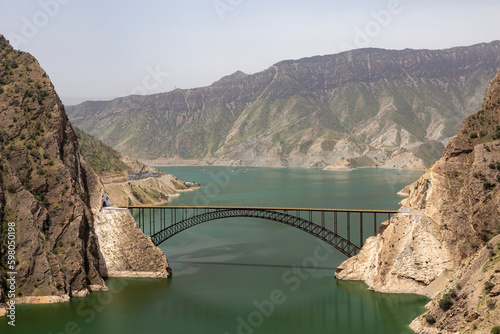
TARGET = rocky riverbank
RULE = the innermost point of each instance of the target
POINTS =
(441, 239)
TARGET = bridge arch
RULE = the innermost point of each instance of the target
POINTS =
(343, 245)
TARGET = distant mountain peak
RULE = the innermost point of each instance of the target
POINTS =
(238, 75)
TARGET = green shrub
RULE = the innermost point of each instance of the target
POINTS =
(488, 286)
(431, 320)
(491, 304)
(459, 286)
(445, 303)
(487, 185)
(495, 330)
(485, 236)
(473, 135)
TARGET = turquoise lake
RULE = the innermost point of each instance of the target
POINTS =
(241, 275)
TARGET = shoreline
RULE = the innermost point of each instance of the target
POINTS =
(296, 167)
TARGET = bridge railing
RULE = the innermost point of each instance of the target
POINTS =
(353, 225)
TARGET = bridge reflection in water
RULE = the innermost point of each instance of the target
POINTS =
(345, 230)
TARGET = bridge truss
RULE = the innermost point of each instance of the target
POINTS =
(344, 230)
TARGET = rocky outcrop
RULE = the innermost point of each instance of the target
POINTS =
(473, 292)
(47, 190)
(124, 251)
(451, 212)
(402, 257)
(388, 105)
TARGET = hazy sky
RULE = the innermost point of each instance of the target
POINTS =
(110, 48)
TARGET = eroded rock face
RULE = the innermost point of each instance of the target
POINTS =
(49, 190)
(475, 305)
(402, 258)
(453, 211)
(124, 250)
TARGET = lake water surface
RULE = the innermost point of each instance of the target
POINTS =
(240, 275)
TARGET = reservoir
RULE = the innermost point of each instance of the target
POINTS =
(247, 275)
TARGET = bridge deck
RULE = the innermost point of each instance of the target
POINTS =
(260, 208)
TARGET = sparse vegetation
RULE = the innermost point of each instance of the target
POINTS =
(445, 303)
(431, 320)
(304, 147)
(487, 185)
(488, 286)
(491, 304)
(363, 161)
(99, 156)
(485, 236)
(328, 145)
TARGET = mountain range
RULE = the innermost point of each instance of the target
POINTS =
(367, 107)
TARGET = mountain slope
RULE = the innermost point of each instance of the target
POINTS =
(50, 200)
(47, 188)
(372, 104)
(444, 235)
(127, 181)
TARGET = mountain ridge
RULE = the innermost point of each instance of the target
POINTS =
(378, 105)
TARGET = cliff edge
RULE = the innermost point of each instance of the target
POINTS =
(49, 195)
(452, 213)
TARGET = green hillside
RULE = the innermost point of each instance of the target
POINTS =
(99, 156)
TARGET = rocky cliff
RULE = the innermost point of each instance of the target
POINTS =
(450, 215)
(124, 250)
(368, 107)
(47, 191)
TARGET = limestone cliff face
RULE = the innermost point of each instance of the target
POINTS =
(124, 250)
(50, 193)
(452, 211)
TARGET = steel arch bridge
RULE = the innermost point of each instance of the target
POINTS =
(167, 221)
